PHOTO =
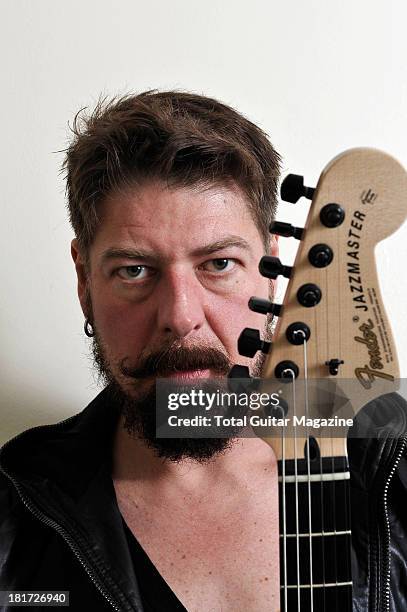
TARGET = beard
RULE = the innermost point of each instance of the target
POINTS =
(138, 408)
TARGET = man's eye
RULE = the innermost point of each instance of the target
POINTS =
(132, 272)
(219, 265)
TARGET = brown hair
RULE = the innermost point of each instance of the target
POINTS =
(183, 139)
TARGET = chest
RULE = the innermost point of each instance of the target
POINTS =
(213, 556)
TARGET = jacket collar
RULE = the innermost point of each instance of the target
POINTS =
(65, 470)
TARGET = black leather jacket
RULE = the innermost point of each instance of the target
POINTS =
(61, 529)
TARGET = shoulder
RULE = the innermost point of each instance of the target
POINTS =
(375, 442)
(8, 499)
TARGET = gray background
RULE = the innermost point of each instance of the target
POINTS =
(318, 76)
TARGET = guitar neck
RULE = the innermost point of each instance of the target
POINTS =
(315, 535)
(332, 329)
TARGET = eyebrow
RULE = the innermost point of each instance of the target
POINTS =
(219, 245)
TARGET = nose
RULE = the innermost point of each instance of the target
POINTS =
(180, 309)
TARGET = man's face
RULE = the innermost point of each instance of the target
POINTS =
(171, 272)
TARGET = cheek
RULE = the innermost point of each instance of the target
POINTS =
(230, 316)
(124, 327)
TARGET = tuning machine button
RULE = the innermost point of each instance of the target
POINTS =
(292, 189)
(240, 381)
(249, 343)
(264, 306)
(271, 267)
(320, 255)
(332, 215)
(286, 230)
(239, 371)
(309, 295)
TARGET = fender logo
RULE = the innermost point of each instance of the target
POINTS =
(368, 373)
(370, 376)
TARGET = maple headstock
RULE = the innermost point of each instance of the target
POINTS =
(333, 294)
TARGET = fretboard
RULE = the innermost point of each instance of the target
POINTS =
(315, 536)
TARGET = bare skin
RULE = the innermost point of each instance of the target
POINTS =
(211, 529)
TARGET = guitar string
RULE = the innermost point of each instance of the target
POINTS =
(322, 509)
(333, 481)
(297, 532)
(347, 522)
(334, 524)
(297, 517)
(346, 483)
(284, 516)
(308, 459)
(325, 487)
(331, 515)
(321, 471)
(328, 293)
(343, 482)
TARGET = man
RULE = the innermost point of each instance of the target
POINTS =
(170, 196)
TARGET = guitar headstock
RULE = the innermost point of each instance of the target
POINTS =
(333, 299)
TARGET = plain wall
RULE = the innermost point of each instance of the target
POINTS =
(320, 77)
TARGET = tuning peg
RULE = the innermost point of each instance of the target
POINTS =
(286, 370)
(239, 371)
(249, 343)
(320, 255)
(309, 295)
(240, 381)
(286, 229)
(264, 306)
(271, 267)
(292, 188)
(332, 215)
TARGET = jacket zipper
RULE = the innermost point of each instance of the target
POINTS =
(386, 559)
(385, 562)
(51, 523)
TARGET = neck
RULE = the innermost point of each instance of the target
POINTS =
(135, 463)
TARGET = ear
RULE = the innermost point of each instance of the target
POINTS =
(81, 275)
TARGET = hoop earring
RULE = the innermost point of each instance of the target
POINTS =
(89, 332)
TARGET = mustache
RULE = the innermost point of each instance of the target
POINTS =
(178, 359)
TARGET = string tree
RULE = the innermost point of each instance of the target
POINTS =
(333, 366)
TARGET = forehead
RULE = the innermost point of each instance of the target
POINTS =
(174, 220)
